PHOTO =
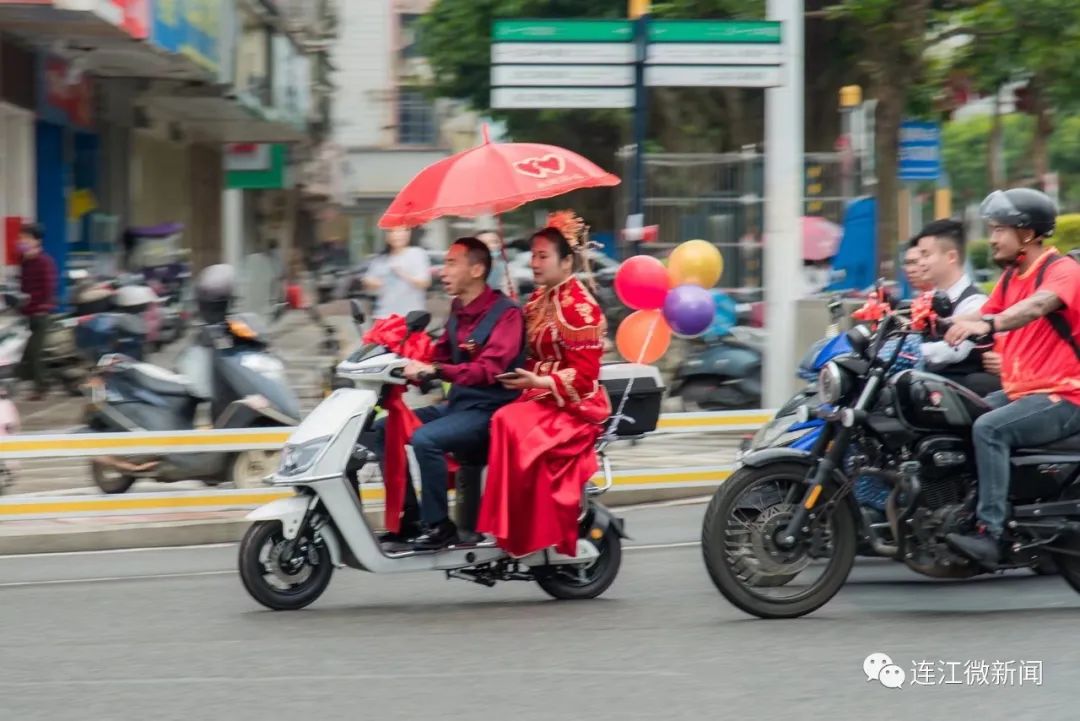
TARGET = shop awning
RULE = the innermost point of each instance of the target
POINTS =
(225, 118)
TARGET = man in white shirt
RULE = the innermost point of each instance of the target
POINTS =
(941, 248)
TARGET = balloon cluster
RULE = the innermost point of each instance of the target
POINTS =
(666, 300)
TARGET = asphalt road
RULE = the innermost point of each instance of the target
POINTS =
(170, 634)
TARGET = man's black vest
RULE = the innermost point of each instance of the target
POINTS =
(973, 363)
(482, 397)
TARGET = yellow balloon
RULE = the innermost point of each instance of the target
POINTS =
(697, 262)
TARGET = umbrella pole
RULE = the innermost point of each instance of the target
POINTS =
(509, 283)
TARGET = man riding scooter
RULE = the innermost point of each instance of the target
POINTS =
(484, 337)
(1036, 304)
(941, 247)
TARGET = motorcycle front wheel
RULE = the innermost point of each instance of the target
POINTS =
(281, 576)
(744, 562)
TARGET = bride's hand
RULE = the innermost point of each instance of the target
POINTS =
(526, 380)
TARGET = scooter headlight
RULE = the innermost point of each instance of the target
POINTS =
(297, 459)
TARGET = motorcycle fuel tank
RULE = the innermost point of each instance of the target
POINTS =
(929, 402)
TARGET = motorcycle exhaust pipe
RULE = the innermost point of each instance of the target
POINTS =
(880, 547)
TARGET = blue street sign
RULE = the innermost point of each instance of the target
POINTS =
(920, 151)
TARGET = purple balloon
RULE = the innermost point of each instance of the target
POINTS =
(689, 309)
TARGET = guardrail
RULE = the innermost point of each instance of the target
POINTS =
(83, 445)
(17, 508)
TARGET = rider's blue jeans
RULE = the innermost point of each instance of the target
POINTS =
(1026, 422)
(461, 432)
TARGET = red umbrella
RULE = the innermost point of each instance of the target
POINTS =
(492, 178)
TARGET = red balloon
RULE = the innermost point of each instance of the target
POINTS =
(642, 282)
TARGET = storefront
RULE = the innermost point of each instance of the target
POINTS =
(18, 101)
(67, 160)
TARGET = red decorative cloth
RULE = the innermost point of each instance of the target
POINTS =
(401, 422)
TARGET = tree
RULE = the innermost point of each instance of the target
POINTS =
(456, 40)
(896, 36)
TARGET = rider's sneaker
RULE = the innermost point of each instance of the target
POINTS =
(437, 536)
(980, 547)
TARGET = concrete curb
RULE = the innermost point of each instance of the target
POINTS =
(156, 534)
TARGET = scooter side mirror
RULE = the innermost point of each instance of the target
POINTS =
(417, 320)
(357, 311)
(279, 311)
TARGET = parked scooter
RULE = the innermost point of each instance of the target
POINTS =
(289, 554)
(62, 362)
(229, 365)
(13, 338)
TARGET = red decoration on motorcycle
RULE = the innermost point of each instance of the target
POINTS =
(923, 316)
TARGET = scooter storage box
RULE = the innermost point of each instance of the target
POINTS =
(645, 399)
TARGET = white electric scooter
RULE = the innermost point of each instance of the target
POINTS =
(288, 555)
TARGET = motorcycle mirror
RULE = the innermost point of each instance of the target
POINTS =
(279, 311)
(357, 311)
(417, 320)
(942, 304)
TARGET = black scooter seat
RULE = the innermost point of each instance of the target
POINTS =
(159, 380)
(1065, 445)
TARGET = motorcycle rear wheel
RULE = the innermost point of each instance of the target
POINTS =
(727, 570)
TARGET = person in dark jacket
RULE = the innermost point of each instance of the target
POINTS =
(38, 282)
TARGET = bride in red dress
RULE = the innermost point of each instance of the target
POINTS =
(542, 444)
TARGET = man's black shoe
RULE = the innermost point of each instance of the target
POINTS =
(405, 534)
(469, 538)
(980, 547)
(437, 536)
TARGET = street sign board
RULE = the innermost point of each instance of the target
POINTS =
(715, 54)
(919, 151)
(714, 31)
(715, 76)
(562, 75)
(561, 53)
(563, 98)
(562, 31)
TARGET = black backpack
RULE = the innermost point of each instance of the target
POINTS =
(1057, 318)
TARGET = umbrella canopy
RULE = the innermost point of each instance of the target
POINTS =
(821, 238)
(492, 178)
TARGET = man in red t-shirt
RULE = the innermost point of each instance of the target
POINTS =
(1036, 305)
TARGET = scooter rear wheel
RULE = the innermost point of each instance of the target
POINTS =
(578, 583)
(110, 480)
(278, 581)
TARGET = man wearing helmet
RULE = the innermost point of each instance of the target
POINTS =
(1036, 308)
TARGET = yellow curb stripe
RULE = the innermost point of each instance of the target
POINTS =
(15, 444)
(14, 508)
(716, 422)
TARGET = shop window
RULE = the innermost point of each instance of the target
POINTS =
(416, 118)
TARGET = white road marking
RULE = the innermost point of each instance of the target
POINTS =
(197, 574)
(408, 676)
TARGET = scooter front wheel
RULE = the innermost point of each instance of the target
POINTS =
(280, 574)
(578, 583)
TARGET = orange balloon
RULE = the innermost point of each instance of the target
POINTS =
(635, 329)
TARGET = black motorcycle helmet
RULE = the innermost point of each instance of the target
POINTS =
(1021, 208)
(214, 292)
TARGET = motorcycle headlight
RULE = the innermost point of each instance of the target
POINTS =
(833, 383)
(297, 459)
